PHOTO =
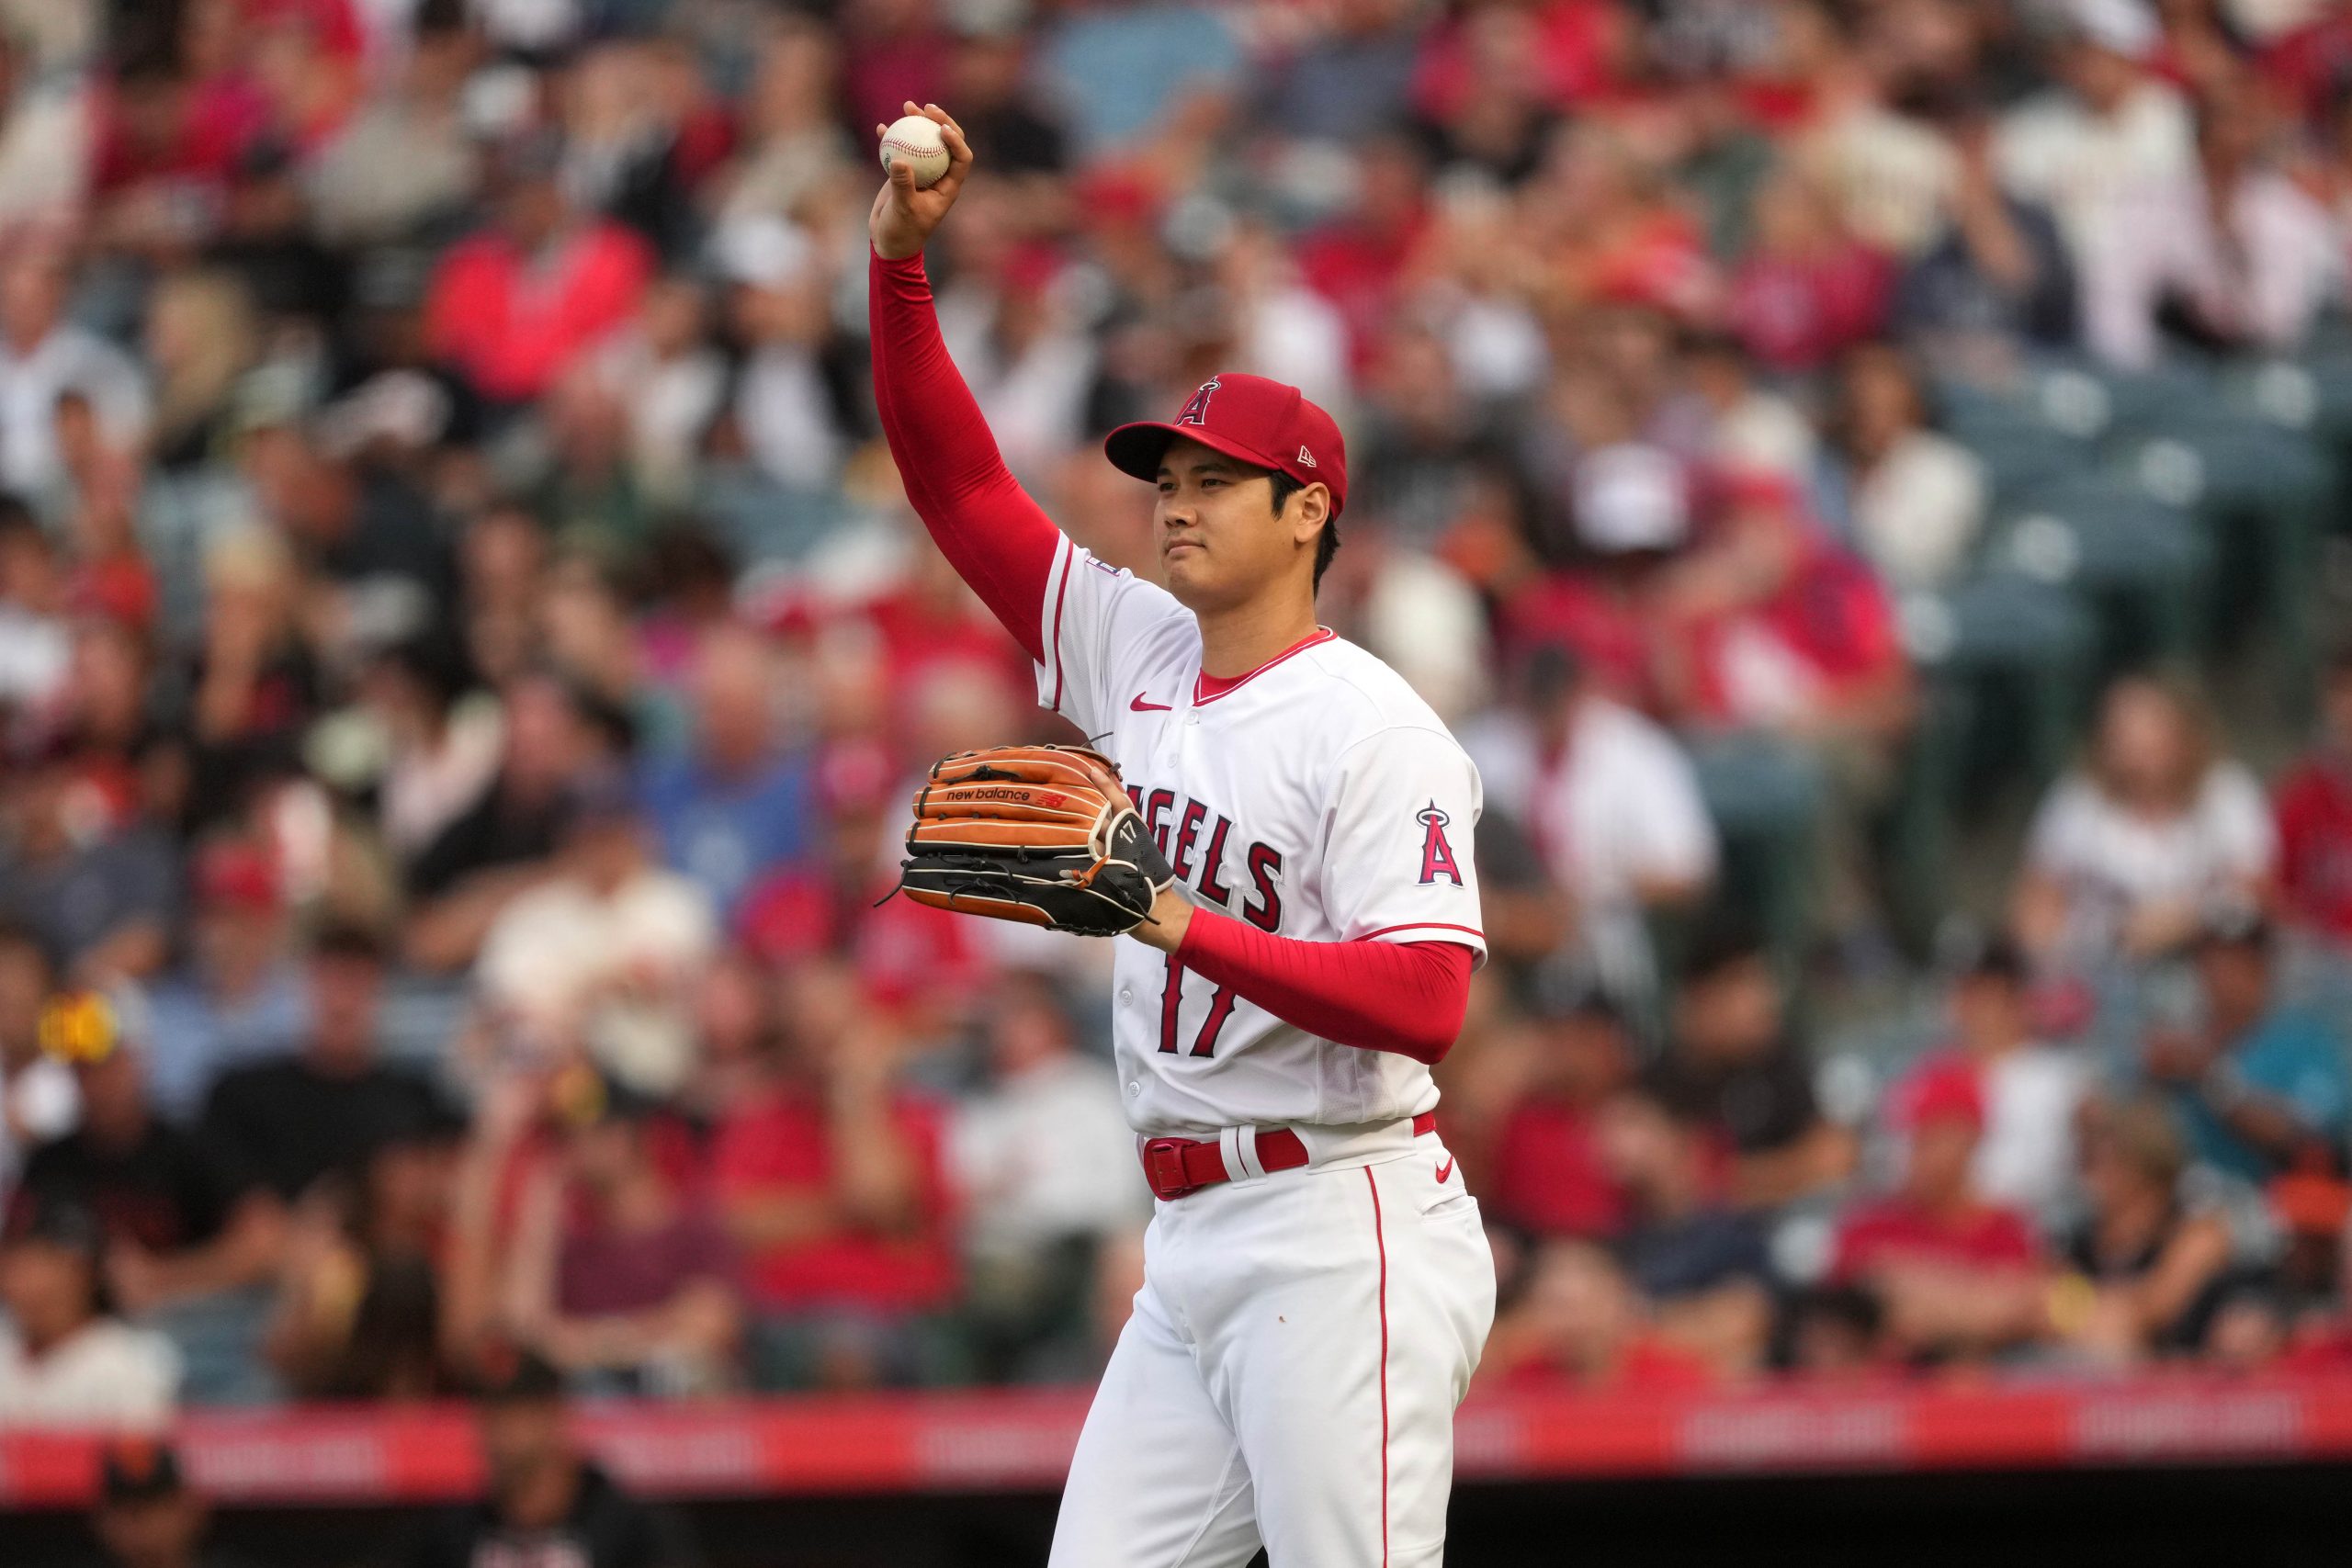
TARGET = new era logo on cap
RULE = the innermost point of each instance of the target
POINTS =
(1263, 424)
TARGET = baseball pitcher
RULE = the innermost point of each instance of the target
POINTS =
(1280, 831)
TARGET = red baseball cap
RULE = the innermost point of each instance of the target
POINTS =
(231, 876)
(1263, 424)
(1946, 1090)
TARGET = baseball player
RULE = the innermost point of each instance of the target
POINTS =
(1318, 1285)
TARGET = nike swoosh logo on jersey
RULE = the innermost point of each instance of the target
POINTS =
(1140, 705)
(1445, 1171)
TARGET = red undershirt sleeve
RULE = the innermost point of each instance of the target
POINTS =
(1407, 998)
(997, 538)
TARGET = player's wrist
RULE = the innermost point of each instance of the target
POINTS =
(1170, 921)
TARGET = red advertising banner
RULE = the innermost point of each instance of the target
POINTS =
(1021, 1441)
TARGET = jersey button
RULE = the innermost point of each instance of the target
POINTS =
(1126, 995)
(1134, 1091)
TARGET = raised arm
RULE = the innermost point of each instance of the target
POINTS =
(992, 532)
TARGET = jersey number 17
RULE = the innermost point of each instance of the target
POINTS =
(1172, 1003)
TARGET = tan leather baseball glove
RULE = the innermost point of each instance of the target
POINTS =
(1041, 834)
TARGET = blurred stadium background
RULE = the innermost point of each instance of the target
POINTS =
(1867, 479)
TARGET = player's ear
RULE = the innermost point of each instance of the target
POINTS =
(1309, 511)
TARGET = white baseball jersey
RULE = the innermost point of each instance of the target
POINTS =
(1317, 797)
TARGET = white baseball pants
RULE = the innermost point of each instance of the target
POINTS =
(1289, 1375)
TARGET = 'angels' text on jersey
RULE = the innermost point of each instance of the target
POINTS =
(1318, 798)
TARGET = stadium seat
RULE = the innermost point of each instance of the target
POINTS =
(2144, 567)
(2012, 643)
(2260, 493)
(2019, 452)
(1767, 796)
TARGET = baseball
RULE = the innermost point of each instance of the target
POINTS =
(918, 142)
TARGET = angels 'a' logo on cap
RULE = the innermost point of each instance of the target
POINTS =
(1305, 458)
(1196, 407)
(1437, 855)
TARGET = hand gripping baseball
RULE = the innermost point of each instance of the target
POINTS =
(903, 215)
(1041, 834)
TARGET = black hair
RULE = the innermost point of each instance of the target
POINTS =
(1724, 942)
(609, 720)
(1994, 958)
(17, 517)
(435, 662)
(24, 938)
(350, 941)
(1550, 671)
(1327, 545)
(1851, 1307)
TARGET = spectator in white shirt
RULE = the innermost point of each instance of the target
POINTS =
(36, 643)
(2229, 251)
(2109, 154)
(1611, 805)
(41, 355)
(2032, 1090)
(1743, 425)
(1285, 329)
(672, 382)
(783, 402)
(1044, 1167)
(1026, 355)
(64, 1359)
(45, 143)
(1914, 497)
(603, 955)
(2128, 851)
(2275, 254)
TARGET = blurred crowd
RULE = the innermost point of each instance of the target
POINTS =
(465, 654)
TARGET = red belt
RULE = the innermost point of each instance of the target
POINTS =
(1178, 1168)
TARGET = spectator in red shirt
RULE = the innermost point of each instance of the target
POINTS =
(1806, 291)
(1629, 504)
(1560, 53)
(1358, 260)
(1549, 1180)
(1613, 233)
(2308, 64)
(515, 306)
(1958, 1275)
(831, 1184)
(2033, 1089)
(906, 954)
(2313, 802)
(1776, 627)
(166, 144)
(1784, 647)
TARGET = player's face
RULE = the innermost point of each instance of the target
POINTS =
(1221, 542)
